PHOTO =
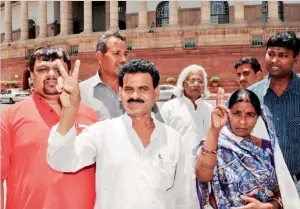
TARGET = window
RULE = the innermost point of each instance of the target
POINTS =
(129, 45)
(162, 14)
(190, 43)
(257, 40)
(73, 49)
(219, 12)
(265, 11)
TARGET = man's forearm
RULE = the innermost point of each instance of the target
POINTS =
(67, 120)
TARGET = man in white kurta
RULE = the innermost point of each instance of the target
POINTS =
(189, 114)
(135, 168)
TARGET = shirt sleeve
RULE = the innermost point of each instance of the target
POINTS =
(70, 153)
(5, 143)
(164, 111)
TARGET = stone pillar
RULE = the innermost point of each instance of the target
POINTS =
(87, 10)
(64, 30)
(205, 13)
(239, 12)
(8, 21)
(142, 15)
(24, 20)
(273, 12)
(114, 15)
(107, 15)
(70, 17)
(173, 13)
(43, 18)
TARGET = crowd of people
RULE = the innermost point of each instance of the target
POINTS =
(104, 143)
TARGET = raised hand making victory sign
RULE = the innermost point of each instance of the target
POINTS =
(68, 86)
(219, 115)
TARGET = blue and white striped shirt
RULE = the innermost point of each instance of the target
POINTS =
(284, 114)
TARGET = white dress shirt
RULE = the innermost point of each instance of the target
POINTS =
(193, 125)
(128, 176)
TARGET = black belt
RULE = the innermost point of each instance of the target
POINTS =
(296, 177)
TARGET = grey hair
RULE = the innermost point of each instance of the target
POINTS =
(112, 33)
(184, 74)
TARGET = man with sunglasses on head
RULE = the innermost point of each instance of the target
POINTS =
(25, 127)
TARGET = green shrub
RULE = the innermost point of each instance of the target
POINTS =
(214, 79)
(171, 80)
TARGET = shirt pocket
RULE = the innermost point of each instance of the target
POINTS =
(162, 173)
(293, 129)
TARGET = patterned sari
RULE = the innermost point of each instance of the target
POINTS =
(242, 168)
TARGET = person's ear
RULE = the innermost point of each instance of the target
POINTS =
(99, 57)
(259, 75)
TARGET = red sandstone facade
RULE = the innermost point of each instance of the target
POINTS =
(217, 47)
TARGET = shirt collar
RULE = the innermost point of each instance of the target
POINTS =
(293, 86)
(128, 121)
(96, 79)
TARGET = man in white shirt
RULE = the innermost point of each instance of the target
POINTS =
(139, 160)
(190, 115)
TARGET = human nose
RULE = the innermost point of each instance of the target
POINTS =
(242, 120)
(242, 78)
(52, 73)
(135, 95)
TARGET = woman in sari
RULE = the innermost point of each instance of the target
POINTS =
(235, 169)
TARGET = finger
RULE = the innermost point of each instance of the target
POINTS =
(61, 68)
(68, 88)
(222, 108)
(75, 73)
(248, 199)
(220, 96)
(60, 84)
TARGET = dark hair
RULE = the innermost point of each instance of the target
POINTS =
(140, 66)
(287, 40)
(49, 53)
(245, 95)
(248, 60)
(112, 33)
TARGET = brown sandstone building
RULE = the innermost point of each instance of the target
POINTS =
(172, 34)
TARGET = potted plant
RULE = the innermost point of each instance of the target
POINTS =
(171, 80)
(215, 81)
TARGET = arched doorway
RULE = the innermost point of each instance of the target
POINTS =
(162, 14)
(31, 29)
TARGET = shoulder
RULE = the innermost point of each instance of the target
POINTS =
(257, 86)
(171, 103)
(88, 113)
(86, 83)
(18, 111)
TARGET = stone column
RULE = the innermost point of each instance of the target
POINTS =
(24, 20)
(173, 13)
(142, 15)
(107, 15)
(273, 12)
(205, 13)
(70, 17)
(114, 15)
(8, 21)
(87, 10)
(64, 30)
(43, 18)
(239, 12)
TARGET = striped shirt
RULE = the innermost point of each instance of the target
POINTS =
(284, 114)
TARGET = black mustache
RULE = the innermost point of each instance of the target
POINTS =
(135, 100)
